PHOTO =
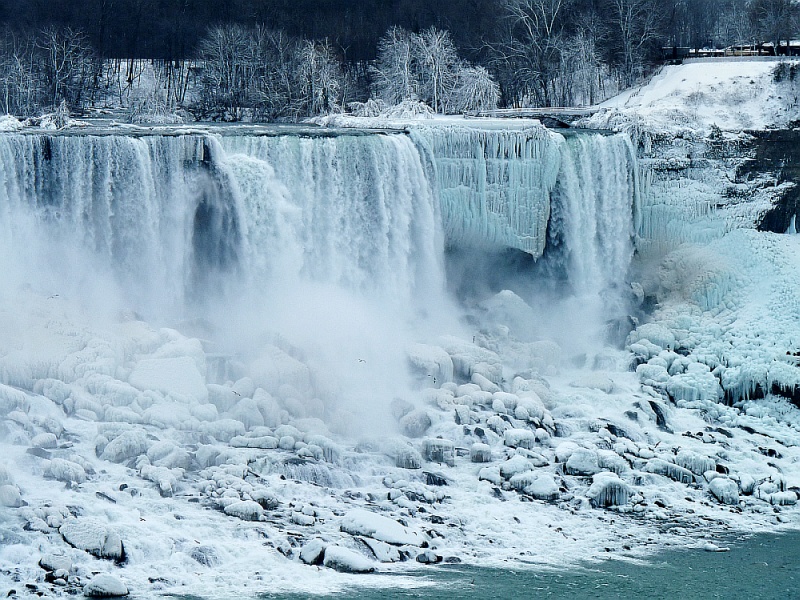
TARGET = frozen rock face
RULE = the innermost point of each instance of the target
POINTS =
(495, 190)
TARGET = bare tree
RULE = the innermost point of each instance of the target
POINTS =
(774, 20)
(278, 85)
(734, 26)
(18, 74)
(322, 77)
(531, 49)
(638, 26)
(228, 57)
(66, 62)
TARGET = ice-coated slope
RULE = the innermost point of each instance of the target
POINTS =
(733, 94)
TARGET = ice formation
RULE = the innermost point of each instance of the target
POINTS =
(494, 186)
(229, 357)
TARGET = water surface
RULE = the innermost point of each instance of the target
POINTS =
(762, 567)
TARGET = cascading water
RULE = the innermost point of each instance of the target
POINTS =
(309, 236)
(597, 190)
(154, 211)
(350, 210)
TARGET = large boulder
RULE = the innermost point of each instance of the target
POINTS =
(369, 524)
(93, 537)
(105, 586)
(347, 561)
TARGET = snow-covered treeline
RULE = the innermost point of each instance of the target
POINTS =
(279, 65)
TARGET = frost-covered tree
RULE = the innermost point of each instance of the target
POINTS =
(278, 87)
(438, 66)
(733, 26)
(261, 73)
(394, 73)
(474, 90)
(322, 77)
(426, 67)
(41, 71)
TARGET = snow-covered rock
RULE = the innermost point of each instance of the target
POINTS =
(542, 486)
(93, 537)
(582, 461)
(415, 423)
(10, 496)
(385, 529)
(313, 551)
(724, 490)
(247, 510)
(347, 560)
(608, 489)
(105, 586)
(67, 471)
(127, 445)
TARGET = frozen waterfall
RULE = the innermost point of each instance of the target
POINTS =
(494, 185)
(176, 218)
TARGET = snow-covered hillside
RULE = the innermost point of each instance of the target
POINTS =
(732, 94)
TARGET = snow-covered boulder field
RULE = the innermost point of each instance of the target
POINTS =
(161, 481)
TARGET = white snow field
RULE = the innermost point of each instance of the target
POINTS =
(244, 361)
(733, 94)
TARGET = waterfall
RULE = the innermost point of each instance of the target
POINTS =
(173, 218)
(597, 193)
(153, 210)
(351, 210)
